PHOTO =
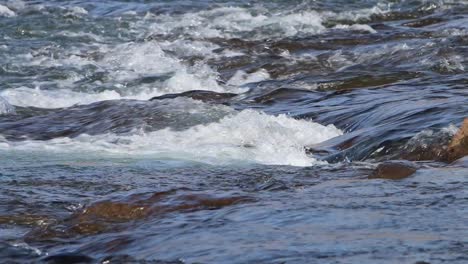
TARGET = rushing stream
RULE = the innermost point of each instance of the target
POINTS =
(220, 131)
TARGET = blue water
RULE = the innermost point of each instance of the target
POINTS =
(231, 131)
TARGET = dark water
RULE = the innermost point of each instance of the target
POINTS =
(260, 144)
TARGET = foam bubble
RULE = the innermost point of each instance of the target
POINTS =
(247, 136)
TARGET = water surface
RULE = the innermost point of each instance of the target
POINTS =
(265, 128)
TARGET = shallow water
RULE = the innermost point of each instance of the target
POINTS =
(260, 143)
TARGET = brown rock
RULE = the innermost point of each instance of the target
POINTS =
(458, 147)
(111, 215)
(394, 170)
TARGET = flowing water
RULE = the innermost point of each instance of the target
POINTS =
(266, 123)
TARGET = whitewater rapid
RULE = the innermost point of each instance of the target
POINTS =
(105, 71)
(154, 54)
(240, 137)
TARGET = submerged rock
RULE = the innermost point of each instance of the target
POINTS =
(394, 170)
(455, 152)
(204, 96)
(458, 147)
(68, 258)
(112, 215)
(445, 146)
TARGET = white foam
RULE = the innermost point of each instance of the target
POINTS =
(54, 98)
(189, 47)
(255, 22)
(241, 77)
(16, 4)
(133, 60)
(244, 137)
(81, 34)
(6, 107)
(77, 11)
(6, 12)
(61, 98)
(235, 21)
(123, 64)
(357, 27)
(184, 81)
(358, 14)
(453, 63)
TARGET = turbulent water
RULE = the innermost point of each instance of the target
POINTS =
(231, 131)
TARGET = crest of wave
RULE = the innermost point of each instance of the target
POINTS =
(255, 22)
(244, 137)
(6, 12)
(135, 60)
(5, 107)
(234, 21)
(125, 63)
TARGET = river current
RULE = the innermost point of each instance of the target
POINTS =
(232, 131)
